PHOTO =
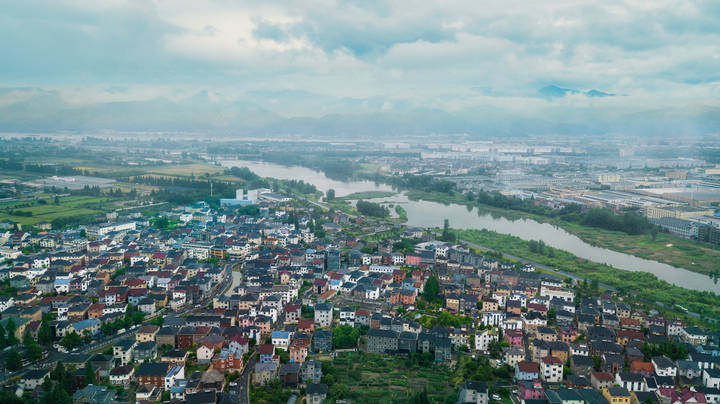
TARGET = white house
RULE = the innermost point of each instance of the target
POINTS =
(281, 339)
(175, 373)
(551, 369)
(323, 314)
(631, 381)
(372, 293)
(484, 338)
(6, 302)
(557, 293)
(711, 378)
(122, 375)
(492, 318)
(347, 317)
(62, 284)
(664, 366)
(205, 353)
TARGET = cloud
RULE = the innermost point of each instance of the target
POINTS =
(323, 57)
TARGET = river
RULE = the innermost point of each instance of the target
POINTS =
(432, 214)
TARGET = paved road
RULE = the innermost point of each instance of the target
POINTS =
(244, 381)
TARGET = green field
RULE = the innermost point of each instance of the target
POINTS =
(68, 206)
(373, 378)
(368, 195)
(187, 170)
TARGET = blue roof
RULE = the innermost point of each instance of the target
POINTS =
(280, 334)
(81, 325)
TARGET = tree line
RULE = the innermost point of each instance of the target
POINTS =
(628, 221)
(372, 209)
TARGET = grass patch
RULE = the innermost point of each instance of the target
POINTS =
(368, 195)
(48, 211)
(373, 378)
(187, 170)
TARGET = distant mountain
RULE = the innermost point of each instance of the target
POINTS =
(597, 93)
(556, 92)
(36, 110)
(552, 92)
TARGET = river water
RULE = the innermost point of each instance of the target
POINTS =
(432, 214)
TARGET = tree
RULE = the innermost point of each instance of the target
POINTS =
(57, 200)
(162, 222)
(421, 397)
(71, 340)
(27, 339)
(45, 334)
(446, 230)
(90, 377)
(330, 195)
(10, 327)
(34, 351)
(432, 287)
(159, 320)
(345, 336)
(3, 340)
(13, 361)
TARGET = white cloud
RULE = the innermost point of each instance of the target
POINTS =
(414, 53)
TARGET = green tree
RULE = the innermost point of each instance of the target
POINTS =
(34, 351)
(345, 336)
(90, 377)
(158, 321)
(162, 223)
(330, 195)
(3, 340)
(71, 340)
(13, 361)
(420, 397)
(27, 339)
(10, 327)
(57, 200)
(45, 334)
(432, 288)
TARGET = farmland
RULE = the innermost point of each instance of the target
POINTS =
(43, 208)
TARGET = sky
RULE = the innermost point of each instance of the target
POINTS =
(70, 63)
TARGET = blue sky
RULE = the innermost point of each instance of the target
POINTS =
(312, 58)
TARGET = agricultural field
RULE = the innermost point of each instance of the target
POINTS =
(186, 170)
(371, 378)
(43, 209)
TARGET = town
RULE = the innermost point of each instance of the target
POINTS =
(271, 297)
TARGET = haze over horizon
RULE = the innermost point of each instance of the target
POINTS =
(362, 67)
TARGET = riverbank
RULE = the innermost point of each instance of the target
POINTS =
(367, 195)
(665, 248)
(641, 287)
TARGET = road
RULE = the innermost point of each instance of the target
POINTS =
(244, 381)
(54, 355)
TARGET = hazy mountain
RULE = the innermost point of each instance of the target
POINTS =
(35, 110)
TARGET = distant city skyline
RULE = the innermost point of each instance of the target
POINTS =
(318, 66)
